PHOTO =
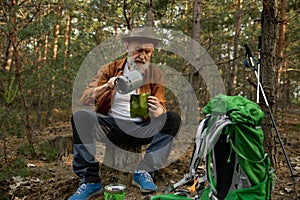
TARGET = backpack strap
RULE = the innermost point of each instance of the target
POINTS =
(213, 132)
(244, 157)
(210, 135)
(201, 133)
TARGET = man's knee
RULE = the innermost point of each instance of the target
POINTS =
(174, 118)
(82, 125)
(172, 124)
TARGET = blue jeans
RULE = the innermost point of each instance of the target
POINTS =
(89, 127)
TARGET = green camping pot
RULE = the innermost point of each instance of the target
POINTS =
(114, 192)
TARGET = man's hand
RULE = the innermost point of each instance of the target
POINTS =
(111, 82)
(97, 91)
(154, 106)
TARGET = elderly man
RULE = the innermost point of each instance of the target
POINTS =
(112, 120)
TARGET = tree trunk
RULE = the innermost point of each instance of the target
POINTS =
(28, 126)
(38, 52)
(51, 88)
(234, 67)
(44, 59)
(64, 146)
(229, 76)
(150, 15)
(67, 39)
(269, 75)
(126, 16)
(11, 35)
(281, 60)
(197, 8)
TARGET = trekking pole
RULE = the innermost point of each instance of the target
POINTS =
(250, 57)
(258, 70)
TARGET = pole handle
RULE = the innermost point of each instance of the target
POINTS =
(259, 42)
(248, 51)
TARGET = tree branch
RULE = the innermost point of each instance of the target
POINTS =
(125, 15)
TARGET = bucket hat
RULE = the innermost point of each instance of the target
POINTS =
(144, 34)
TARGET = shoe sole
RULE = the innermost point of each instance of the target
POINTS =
(96, 193)
(142, 190)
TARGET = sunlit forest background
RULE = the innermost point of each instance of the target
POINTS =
(44, 42)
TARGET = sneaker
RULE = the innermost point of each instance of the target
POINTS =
(85, 191)
(154, 174)
(144, 181)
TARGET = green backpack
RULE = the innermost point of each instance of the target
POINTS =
(241, 168)
(230, 141)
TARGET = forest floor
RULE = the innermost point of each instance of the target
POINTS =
(24, 177)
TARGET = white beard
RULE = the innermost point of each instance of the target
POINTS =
(136, 66)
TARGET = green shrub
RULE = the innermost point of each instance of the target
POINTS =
(26, 150)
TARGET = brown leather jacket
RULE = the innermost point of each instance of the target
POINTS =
(154, 84)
